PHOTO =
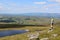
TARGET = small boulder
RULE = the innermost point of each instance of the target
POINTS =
(54, 35)
(44, 39)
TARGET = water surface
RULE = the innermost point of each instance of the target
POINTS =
(11, 32)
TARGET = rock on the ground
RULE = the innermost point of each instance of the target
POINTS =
(44, 39)
(54, 35)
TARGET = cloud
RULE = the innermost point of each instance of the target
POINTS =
(41, 7)
(1, 7)
(54, 0)
(52, 5)
(39, 2)
(57, 0)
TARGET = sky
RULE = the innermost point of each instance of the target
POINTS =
(29, 6)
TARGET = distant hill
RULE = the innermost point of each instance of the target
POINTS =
(56, 15)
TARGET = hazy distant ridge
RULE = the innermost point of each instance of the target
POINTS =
(34, 14)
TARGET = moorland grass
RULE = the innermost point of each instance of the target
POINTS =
(32, 30)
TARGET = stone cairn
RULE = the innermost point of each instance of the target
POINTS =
(51, 28)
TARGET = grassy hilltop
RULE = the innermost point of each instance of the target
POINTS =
(32, 30)
(32, 23)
